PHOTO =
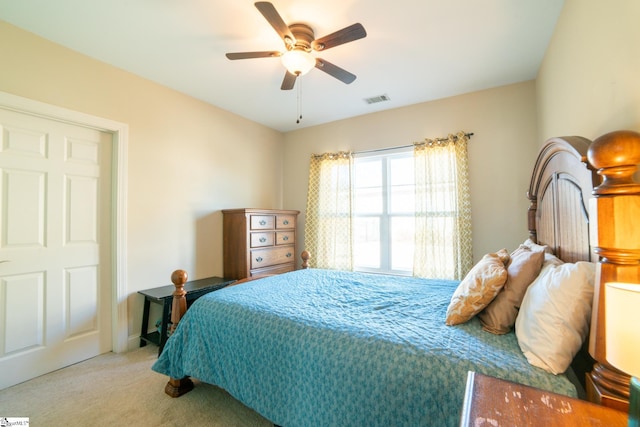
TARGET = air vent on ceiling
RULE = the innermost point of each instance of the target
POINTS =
(376, 99)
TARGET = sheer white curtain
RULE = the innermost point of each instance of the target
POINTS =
(329, 208)
(443, 209)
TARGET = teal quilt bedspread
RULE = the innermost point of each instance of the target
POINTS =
(331, 348)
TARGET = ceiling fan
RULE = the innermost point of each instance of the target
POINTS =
(299, 42)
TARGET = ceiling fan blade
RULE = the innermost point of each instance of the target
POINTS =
(249, 55)
(289, 81)
(345, 35)
(273, 17)
(335, 71)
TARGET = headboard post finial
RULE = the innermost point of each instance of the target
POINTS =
(615, 237)
(616, 156)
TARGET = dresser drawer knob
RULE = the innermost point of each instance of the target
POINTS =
(263, 239)
(285, 222)
(288, 254)
(263, 222)
(259, 259)
(285, 238)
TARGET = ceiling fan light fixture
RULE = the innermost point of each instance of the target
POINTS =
(299, 42)
(298, 62)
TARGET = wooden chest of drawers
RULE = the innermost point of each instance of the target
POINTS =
(258, 242)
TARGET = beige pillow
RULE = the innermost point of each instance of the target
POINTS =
(500, 315)
(478, 288)
(536, 247)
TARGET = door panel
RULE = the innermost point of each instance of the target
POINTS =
(81, 286)
(23, 205)
(55, 288)
(24, 322)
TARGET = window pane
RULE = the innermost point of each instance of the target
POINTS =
(366, 245)
(368, 173)
(368, 195)
(401, 170)
(402, 241)
(401, 180)
(402, 199)
(368, 201)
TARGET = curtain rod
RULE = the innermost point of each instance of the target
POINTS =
(468, 135)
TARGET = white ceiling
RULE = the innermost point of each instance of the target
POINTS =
(415, 50)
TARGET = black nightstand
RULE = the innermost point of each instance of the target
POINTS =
(163, 296)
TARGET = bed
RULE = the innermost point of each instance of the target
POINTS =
(318, 347)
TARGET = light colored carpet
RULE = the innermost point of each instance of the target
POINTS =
(121, 389)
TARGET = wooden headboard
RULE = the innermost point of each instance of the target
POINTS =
(584, 205)
(559, 193)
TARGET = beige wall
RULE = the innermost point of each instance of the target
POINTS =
(501, 153)
(589, 82)
(187, 160)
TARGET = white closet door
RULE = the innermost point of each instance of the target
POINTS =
(55, 231)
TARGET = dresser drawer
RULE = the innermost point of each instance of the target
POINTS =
(261, 239)
(266, 257)
(263, 222)
(285, 221)
(285, 237)
(276, 269)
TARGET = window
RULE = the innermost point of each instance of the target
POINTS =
(404, 211)
(383, 212)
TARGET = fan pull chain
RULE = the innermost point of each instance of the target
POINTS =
(299, 100)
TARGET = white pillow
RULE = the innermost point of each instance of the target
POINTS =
(551, 259)
(555, 315)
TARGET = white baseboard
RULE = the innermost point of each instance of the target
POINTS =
(133, 343)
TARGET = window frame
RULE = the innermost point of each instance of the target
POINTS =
(386, 250)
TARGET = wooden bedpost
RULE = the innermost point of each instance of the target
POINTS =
(179, 304)
(177, 387)
(615, 236)
(305, 255)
